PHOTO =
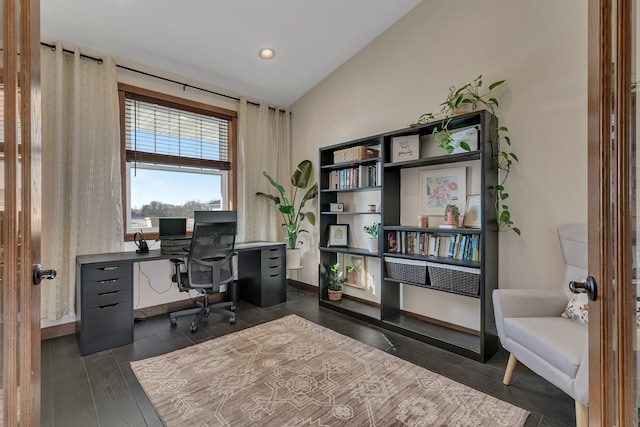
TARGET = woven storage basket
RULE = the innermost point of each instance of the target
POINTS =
(454, 278)
(410, 270)
(354, 153)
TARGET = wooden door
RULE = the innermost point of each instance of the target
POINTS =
(613, 226)
(20, 213)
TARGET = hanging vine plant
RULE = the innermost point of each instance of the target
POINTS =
(470, 95)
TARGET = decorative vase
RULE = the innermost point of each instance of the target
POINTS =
(293, 259)
(372, 244)
(335, 295)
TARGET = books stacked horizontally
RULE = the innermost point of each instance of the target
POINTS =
(173, 236)
(175, 246)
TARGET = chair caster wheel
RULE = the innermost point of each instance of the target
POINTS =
(232, 321)
(173, 321)
(193, 327)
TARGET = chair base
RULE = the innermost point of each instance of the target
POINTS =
(582, 412)
(511, 366)
(202, 310)
(582, 415)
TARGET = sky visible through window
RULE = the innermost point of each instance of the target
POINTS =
(176, 188)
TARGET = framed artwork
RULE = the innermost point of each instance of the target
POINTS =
(441, 187)
(338, 235)
(357, 278)
(472, 212)
(405, 148)
(469, 135)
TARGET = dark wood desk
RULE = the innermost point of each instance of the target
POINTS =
(104, 289)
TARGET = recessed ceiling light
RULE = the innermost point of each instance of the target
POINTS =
(267, 53)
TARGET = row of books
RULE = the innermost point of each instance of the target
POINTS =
(356, 177)
(460, 246)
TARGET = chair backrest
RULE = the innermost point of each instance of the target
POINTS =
(209, 262)
(574, 245)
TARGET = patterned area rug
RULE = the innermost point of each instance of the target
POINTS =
(292, 372)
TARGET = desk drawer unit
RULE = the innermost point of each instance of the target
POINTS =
(104, 297)
(262, 276)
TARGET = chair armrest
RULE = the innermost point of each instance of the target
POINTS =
(528, 302)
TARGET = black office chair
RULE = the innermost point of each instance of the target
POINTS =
(209, 265)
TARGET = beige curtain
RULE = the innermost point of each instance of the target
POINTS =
(81, 192)
(264, 139)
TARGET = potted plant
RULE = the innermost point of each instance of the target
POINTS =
(451, 215)
(470, 95)
(372, 231)
(292, 215)
(336, 281)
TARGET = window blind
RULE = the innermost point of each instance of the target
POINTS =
(161, 134)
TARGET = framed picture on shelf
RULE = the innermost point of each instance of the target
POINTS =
(338, 235)
(469, 136)
(357, 277)
(472, 212)
(405, 148)
(441, 187)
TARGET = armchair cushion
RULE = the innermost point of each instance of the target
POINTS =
(556, 340)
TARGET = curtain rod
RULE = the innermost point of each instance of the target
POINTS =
(82, 55)
(184, 85)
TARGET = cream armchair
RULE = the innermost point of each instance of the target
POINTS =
(531, 329)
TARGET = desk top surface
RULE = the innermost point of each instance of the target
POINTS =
(152, 255)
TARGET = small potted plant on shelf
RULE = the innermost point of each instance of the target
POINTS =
(336, 280)
(451, 215)
(372, 231)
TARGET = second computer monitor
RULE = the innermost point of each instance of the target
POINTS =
(215, 216)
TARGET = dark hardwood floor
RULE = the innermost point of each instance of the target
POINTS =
(101, 389)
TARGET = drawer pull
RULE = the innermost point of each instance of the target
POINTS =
(274, 275)
(275, 257)
(275, 266)
(108, 305)
(108, 281)
(108, 293)
(274, 249)
(109, 268)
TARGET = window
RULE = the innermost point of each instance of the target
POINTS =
(177, 158)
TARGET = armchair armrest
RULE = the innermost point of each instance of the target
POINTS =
(529, 302)
(526, 303)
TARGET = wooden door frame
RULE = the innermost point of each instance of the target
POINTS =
(612, 369)
(21, 225)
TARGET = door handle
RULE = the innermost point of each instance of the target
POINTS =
(589, 287)
(39, 273)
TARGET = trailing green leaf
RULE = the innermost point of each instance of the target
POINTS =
(469, 94)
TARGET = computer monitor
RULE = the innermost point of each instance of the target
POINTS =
(215, 216)
(172, 227)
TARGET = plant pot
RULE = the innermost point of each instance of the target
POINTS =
(372, 245)
(449, 220)
(335, 295)
(293, 259)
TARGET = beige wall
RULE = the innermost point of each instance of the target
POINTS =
(540, 47)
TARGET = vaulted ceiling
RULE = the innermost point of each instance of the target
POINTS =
(217, 41)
